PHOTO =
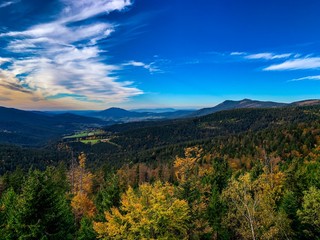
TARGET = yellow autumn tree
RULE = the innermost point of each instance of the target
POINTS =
(188, 166)
(81, 181)
(190, 170)
(79, 177)
(150, 212)
(82, 206)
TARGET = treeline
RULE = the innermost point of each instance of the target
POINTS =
(284, 135)
(231, 133)
(198, 196)
(137, 136)
(160, 141)
(12, 156)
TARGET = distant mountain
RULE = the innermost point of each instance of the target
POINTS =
(155, 110)
(175, 114)
(33, 128)
(77, 119)
(116, 113)
(76, 112)
(310, 102)
(119, 115)
(229, 104)
(122, 115)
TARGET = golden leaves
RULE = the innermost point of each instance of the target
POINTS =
(151, 212)
(81, 181)
(82, 205)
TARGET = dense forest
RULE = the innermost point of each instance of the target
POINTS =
(239, 174)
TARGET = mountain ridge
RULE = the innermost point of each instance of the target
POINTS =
(35, 128)
(233, 104)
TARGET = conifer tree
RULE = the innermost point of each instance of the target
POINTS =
(41, 210)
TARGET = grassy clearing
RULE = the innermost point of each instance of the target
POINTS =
(85, 134)
(92, 142)
(78, 135)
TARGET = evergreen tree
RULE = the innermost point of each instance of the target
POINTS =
(8, 215)
(43, 211)
(108, 196)
(86, 231)
(310, 212)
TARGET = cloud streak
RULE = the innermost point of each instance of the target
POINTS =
(315, 78)
(296, 64)
(262, 56)
(150, 67)
(6, 4)
(238, 53)
(268, 56)
(64, 57)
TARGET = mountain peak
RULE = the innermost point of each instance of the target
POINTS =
(114, 112)
(114, 109)
(246, 100)
(232, 104)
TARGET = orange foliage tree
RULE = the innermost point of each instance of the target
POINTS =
(81, 181)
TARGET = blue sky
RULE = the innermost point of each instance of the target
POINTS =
(94, 54)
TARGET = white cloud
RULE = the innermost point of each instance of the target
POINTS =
(262, 56)
(135, 64)
(238, 53)
(296, 64)
(4, 60)
(316, 78)
(65, 59)
(83, 9)
(46, 36)
(268, 56)
(150, 67)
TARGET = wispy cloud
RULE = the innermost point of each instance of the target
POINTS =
(263, 55)
(8, 3)
(284, 62)
(296, 64)
(268, 56)
(238, 53)
(14, 87)
(64, 57)
(150, 67)
(315, 78)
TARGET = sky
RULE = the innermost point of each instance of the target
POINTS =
(96, 54)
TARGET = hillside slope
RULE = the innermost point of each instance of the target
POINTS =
(31, 128)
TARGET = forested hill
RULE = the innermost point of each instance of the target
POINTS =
(135, 136)
(37, 129)
(233, 132)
